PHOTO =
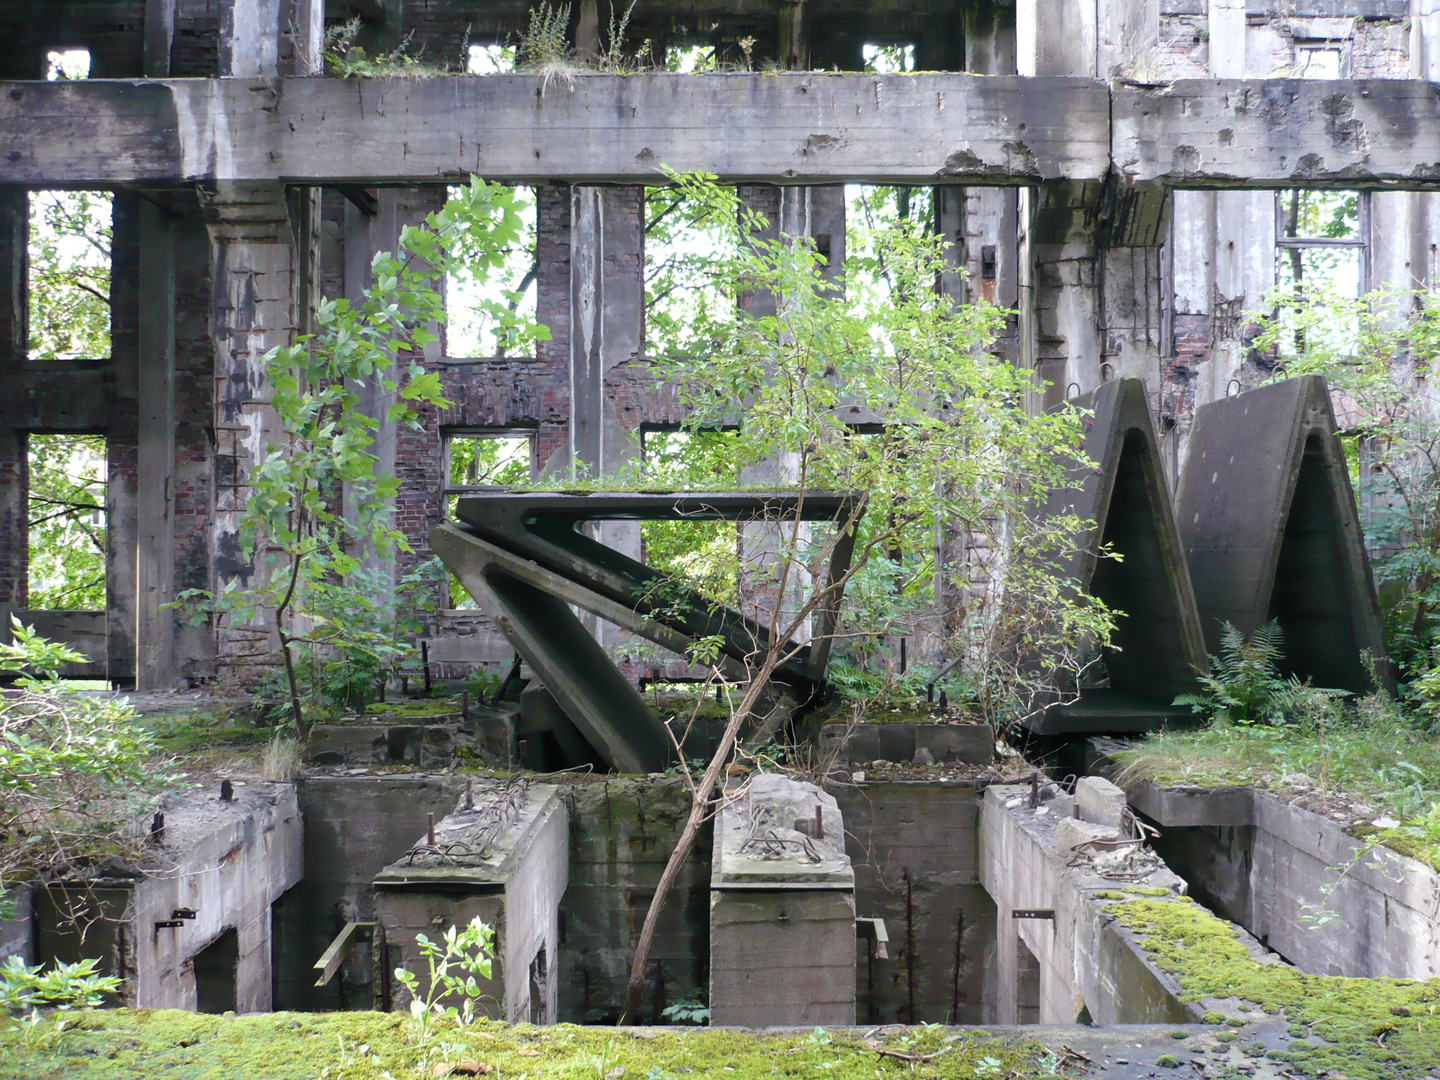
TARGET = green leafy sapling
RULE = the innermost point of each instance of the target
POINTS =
(25, 987)
(319, 504)
(456, 963)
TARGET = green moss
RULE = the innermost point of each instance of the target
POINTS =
(172, 1045)
(1110, 894)
(1213, 1018)
(1168, 1061)
(1140, 890)
(1226, 1036)
(1367, 1026)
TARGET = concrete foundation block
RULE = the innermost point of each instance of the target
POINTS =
(1070, 833)
(1100, 801)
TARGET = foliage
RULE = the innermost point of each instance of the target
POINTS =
(1377, 352)
(454, 962)
(64, 986)
(346, 59)
(1244, 685)
(318, 501)
(1369, 755)
(690, 1010)
(66, 478)
(74, 769)
(122, 1045)
(472, 330)
(883, 389)
(545, 47)
(69, 275)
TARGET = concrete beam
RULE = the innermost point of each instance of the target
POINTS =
(781, 128)
(784, 128)
(1279, 133)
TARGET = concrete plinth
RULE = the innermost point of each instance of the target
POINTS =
(782, 909)
(504, 859)
(191, 930)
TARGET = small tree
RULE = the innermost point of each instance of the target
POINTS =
(884, 390)
(318, 501)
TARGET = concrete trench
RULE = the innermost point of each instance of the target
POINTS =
(989, 916)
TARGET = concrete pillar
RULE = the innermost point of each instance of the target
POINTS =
(14, 531)
(513, 883)
(159, 37)
(255, 266)
(155, 502)
(782, 909)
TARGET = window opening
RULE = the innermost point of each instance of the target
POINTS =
(704, 553)
(888, 59)
(1321, 251)
(682, 252)
(470, 329)
(67, 64)
(68, 275)
(691, 59)
(490, 60)
(871, 209)
(483, 461)
(66, 520)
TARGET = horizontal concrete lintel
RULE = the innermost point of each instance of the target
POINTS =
(783, 128)
(1178, 807)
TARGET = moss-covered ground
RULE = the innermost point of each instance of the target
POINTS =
(1370, 771)
(1361, 1029)
(170, 1045)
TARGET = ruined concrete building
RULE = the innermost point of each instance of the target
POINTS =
(1129, 177)
(1124, 175)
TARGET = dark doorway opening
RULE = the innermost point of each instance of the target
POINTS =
(215, 971)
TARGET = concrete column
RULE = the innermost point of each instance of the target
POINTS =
(1059, 277)
(159, 37)
(254, 270)
(14, 531)
(122, 521)
(607, 317)
(155, 503)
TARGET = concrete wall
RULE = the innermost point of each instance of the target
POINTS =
(915, 850)
(1324, 900)
(228, 862)
(354, 826)
(1089, 968)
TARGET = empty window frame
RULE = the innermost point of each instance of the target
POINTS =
(65, 65)
(67, 279)
(1322, 249)
(888, 59)
(65, 477)
(490, 60)
(704, 553)
(482, 460)
(684, 250)
(473, 331)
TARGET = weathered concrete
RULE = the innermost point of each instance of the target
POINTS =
(1271, 531)
(503, 857)
(354, 826)
(901, 740)
(782, 909)
(1100, 801)
(1088, 964)
(1329, 902)
(217, 872)
(808, 126)
(914, 847)
(1159, 647)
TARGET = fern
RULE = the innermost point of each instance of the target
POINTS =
(1245, 685)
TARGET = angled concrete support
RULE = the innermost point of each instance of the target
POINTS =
(1159, 647)
(1271, 531)
(525, 560)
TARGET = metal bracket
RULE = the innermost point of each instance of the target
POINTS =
(1032, 913)
(873, 929)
